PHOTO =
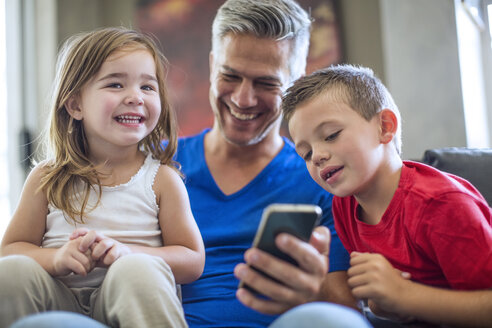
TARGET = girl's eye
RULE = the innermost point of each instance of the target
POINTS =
(307, 156)
(115, 85)
(148, 88)
(333, 136)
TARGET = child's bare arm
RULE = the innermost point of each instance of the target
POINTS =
(26, 229)
(371, 276)
(183, 245)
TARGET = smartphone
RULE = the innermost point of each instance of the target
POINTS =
(298, 220)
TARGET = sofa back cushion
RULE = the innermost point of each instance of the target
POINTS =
(472, 164)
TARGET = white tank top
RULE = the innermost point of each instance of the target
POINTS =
(127, 213)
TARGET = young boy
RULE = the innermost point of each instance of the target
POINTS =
(398, 219)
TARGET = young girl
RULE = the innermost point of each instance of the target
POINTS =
(104, 226)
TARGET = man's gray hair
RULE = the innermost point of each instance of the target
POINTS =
(274, 19)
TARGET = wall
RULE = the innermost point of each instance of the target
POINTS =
(417, 44)
(76, 16)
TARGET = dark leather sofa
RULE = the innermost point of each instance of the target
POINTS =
(473, 164)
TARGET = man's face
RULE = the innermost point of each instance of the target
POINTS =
(247, 77)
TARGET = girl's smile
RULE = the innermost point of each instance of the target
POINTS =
(130, 119)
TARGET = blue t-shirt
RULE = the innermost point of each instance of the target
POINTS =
(228, 224)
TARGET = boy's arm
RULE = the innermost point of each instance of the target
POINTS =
(447, 307)
(371, 276)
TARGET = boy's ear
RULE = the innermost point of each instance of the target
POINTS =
(388, 124)
(73, 108)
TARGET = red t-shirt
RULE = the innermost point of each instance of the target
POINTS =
(437, 227)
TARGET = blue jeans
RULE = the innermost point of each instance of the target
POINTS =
(314, 315)
(321, 315)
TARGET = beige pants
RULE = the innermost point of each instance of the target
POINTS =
(138, 291)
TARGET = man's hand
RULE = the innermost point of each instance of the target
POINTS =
(69, 258)
(104, 251)
(297, 285)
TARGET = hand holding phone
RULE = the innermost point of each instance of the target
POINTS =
(298, 220)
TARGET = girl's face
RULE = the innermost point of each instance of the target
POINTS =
(120, 105)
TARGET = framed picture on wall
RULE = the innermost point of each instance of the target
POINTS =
(183, 28)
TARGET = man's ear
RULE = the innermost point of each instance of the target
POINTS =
(73, 108)
(388, 124)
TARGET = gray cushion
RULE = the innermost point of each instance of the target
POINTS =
(474, 165)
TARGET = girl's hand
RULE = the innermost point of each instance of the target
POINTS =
(103, 250)
(371, 276)
(69, 258)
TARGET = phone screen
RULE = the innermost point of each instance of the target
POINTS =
(298, 220)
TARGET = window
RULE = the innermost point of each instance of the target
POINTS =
(470, 28)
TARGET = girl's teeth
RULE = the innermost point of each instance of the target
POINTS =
(128, 119)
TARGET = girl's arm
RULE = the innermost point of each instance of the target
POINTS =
(183, 245)
(26, 230)
(371, 276)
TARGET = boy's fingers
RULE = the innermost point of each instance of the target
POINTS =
(359, 258)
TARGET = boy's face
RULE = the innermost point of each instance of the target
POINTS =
(341, 149)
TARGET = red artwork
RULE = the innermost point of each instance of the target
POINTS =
(183, 28)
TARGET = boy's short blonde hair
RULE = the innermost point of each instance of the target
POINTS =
(356, 86)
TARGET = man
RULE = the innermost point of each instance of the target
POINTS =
(233, 171)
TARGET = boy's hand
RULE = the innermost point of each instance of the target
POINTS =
(371, 276)
(69, 258)
(300, 284)
(104, 250)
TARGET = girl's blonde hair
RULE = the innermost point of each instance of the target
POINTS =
(68, 163)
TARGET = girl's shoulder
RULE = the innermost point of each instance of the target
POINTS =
(34, 181)
(40, 169)
(167, 173)
(167, 181)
